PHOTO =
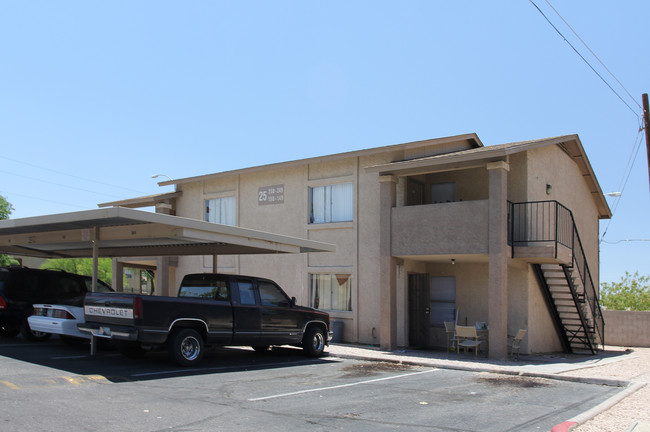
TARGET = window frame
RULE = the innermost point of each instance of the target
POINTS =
(330, 209)
(331, 301)
(220, 200)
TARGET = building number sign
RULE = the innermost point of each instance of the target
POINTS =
(270, 195)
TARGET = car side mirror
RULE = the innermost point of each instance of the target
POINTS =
(292, 303)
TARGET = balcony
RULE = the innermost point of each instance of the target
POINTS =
(439, 229)
(541, 232)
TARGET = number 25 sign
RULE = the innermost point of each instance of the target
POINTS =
(270, 195)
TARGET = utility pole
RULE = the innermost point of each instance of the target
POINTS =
(646, 124)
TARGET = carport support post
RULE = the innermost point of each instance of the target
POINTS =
(95, 241)
(498, 263)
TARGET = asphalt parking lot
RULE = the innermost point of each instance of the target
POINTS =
(50, 386)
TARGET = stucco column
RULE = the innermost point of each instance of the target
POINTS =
(498, 259)
(387, 266)
(162, 276)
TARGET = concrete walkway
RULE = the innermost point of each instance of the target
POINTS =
(540, 365)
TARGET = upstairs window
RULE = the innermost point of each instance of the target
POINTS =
(221, 210)
(331, 203)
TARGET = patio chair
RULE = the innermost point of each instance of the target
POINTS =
(450, 329)
(466, 337)
(516, 344)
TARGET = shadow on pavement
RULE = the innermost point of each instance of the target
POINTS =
(114, 367)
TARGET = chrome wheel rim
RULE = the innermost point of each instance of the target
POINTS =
(190, 348)
(318, 342)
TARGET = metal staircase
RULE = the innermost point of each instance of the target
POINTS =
(567, 285)
(565, 296)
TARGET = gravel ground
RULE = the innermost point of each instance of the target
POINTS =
(634, 408)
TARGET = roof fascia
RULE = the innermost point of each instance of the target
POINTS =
(480, 156)
(471, 138)
(144, 201)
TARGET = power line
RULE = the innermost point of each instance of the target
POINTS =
(594, 54)
(585, 60)
(59, 184)
(626, 240)
(71, 175)
(4, 192)
(626, 176)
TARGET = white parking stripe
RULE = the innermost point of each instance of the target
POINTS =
(69, 357)
(341, 386)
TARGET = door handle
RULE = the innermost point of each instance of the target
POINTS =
(427, 311)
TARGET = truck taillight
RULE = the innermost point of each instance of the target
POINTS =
(137, 308)
(3, 303)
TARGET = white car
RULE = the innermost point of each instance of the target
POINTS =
(62, 319)
(58, 319)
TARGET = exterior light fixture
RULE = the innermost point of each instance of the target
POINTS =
(453, 261)
(162, 175)
(549, 189)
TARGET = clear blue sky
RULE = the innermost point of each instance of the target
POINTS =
(95, 97)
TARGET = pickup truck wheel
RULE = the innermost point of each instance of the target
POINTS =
(186, 347)
(313, 342)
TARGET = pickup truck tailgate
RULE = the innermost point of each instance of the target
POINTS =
(111, 315)
(109, 309)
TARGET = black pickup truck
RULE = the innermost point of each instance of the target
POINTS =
(210, 309)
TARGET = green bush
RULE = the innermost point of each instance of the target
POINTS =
(631, 293)
(82, 266)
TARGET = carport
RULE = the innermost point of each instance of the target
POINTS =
(124, 232)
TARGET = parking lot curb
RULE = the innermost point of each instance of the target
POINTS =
(604, 406)
(585, 380)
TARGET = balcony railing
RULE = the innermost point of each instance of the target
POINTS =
(540, 222)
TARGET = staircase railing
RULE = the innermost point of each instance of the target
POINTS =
(549, 221)
(591, 296)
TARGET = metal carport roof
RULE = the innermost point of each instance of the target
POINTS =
(125, 232)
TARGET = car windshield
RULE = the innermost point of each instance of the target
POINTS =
(101, 286)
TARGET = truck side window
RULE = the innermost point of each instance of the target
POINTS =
(205, 289)
(271, 295)
(246, 293)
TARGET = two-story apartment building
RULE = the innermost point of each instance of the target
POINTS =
(425, 232)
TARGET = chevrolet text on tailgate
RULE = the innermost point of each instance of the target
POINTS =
(210, 309)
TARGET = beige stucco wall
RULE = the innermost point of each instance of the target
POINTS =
(518, 178)
(627, 328)
(551, 165)
(447, 228)
(357, 241)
